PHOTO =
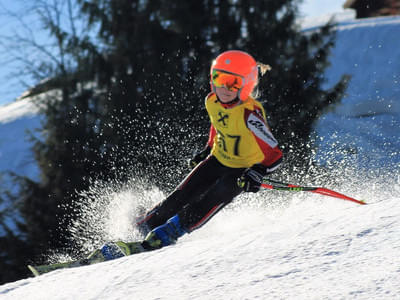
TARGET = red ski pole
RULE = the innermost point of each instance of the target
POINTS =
(318, 190)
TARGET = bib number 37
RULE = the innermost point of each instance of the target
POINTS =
(229, 143)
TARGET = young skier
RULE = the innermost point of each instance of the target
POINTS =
(240, 151)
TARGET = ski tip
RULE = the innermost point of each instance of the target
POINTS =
(33, 270)
(362, 202)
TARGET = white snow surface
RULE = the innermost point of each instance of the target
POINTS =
(308, 247)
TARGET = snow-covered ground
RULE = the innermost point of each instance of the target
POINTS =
(301, 246)
(272, 245)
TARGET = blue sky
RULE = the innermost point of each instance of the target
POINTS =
(11, 87)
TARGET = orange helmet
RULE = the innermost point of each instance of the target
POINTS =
(237, 63)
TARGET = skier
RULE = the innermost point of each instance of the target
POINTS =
(240, 151)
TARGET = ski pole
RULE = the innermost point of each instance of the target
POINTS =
(276, 185)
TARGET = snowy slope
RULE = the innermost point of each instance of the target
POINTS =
(365, 128)
(310, 247)
(15, 155)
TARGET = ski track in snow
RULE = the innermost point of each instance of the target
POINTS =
(316, 247)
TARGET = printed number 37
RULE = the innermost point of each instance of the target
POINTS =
(224, 139)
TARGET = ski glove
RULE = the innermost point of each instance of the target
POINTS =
(198, 157)
(251, 179)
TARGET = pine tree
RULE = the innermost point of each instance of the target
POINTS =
(13, 246)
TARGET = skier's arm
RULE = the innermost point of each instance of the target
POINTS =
(211, 136)
(200, 156)
(210, 143)
(266, 141)
(252, 178)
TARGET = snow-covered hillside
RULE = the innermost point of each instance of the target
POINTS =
(301, 246)
(272, 245)
(16, 119)
(365, 128)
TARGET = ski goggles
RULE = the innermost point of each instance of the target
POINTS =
(229, 81)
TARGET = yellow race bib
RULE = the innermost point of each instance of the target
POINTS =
(234, 144)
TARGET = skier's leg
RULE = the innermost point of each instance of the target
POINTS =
(196, 214)
(165, 234)
(188, 191)
(220, 194)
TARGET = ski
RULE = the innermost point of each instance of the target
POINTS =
(109, 251)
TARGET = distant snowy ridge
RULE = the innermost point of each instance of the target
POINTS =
(311, 23)
(23, 108)
(345, 20)
(368, 22)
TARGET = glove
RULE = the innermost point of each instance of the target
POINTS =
(251, 179)
(198, 157)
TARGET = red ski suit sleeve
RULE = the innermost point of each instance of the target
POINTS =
(258, 126)
(211, 136)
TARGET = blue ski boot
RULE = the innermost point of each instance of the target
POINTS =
(111, 251)
(165, 234)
